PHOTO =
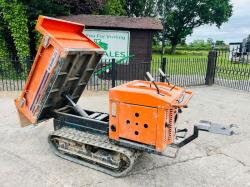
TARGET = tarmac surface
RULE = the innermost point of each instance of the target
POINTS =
(211, 160)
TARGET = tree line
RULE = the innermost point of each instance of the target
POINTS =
(178, 17)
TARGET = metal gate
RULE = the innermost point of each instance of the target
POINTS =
(233, 69)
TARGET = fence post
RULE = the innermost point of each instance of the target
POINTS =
(211, 65)
(163, 68)
(113, 73)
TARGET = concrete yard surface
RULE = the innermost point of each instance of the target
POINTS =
(211, 160)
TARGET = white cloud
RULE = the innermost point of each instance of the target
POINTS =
(237, 28)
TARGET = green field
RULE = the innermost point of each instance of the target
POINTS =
(197, 65)
(157, 55)
(181, 65)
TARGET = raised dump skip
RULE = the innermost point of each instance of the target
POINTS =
(64, 63)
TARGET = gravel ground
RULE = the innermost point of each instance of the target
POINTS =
(211, 160)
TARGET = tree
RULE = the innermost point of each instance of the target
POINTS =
(114, 7)
(220, 43)
(14, 24)
(198, 43)
(132, 8)
(150, 8)
(180, 17)
(183, 42)
(82, 6)
(210, 41)
(18, 19)
(14, 35)
(141, 8)
(248, 39)
(248, 43)
(42, 7)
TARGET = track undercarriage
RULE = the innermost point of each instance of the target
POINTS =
(94, 151)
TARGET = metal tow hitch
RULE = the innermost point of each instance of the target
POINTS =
(216, 128)
(203, 125)
(207, 126)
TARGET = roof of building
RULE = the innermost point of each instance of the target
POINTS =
(146, 23)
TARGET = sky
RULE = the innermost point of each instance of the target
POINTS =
(235, 30)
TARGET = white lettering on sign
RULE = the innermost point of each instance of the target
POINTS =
(52, 61)
(115, 43)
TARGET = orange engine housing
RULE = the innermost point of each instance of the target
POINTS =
(140, 115)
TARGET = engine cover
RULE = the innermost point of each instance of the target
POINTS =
(140, 115)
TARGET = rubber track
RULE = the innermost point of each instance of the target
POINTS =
(94, 140)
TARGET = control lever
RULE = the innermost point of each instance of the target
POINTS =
(76, 107)
(153, 81)
(164, 75)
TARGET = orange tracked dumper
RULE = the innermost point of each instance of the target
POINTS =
(142, 114)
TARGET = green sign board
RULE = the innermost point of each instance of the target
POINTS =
(115, 43)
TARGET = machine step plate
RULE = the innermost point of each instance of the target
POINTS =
(93, 151)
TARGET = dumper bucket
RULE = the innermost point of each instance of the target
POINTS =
(65, 60)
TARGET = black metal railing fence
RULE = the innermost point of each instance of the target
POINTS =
(219, 67)
(14, 72)
(181, 71)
